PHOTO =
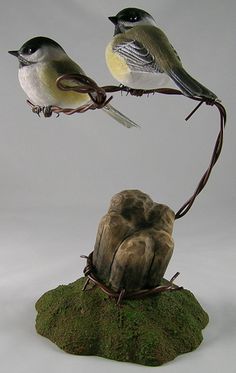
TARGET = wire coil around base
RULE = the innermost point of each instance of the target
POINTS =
(123, 294)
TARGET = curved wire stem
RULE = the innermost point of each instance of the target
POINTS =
(219, 141)
(215, 156)
(98, 99)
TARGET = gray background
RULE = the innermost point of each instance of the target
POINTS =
(58, 175)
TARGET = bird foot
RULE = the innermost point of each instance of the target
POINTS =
(136, 92)
(47, 111)
(132, 91)
(36, 109)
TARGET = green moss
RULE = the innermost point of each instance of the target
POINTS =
(150, 331)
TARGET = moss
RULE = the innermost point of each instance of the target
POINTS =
(150, 331)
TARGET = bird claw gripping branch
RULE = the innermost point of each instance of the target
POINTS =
(98, 96)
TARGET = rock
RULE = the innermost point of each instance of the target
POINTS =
(151, 331)
(134, 244)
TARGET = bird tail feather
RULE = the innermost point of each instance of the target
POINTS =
(189, 85)
(119, 117)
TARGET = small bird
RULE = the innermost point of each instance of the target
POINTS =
(41, 62)
(140, 56)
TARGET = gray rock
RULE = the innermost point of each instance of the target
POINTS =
(134, 244)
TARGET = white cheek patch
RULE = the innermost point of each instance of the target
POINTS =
(29, 59)
(44, 54)
(37, 56)
(143, 22)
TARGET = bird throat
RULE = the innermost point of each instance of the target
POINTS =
(23, 62)
(117, 30)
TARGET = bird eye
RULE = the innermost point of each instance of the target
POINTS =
(28, 50)
(134, 19)
(31, 50)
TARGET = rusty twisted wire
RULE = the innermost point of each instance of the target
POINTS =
(98, 96)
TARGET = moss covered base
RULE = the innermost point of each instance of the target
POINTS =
(149, 331)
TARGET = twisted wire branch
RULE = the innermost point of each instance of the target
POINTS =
(85, 85)
(81, 84)
(98, 95)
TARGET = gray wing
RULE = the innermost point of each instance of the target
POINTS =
(137, 57)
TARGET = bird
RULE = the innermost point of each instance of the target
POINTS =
(140, 56)
(41, 62)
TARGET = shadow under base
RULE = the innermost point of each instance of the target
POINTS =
(149, 331)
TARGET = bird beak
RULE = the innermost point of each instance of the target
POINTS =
(113, 19)
(14, 53)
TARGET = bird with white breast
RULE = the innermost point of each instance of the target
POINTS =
(41, 62)
(141, 57)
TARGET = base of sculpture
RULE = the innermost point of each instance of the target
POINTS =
(149, 331)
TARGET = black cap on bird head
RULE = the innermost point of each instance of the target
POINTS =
(27, 53)
(130, 17)
(32, 45)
